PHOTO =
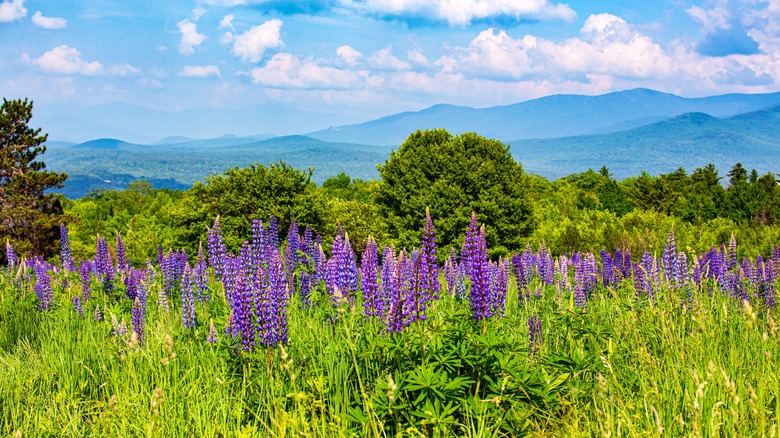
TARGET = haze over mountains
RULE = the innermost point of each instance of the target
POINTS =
(629, 132)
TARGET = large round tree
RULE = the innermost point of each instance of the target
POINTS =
(453, 176)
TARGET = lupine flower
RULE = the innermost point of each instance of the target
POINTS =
(187, 298)
(732, 261)
(77, 305)
(86, 280)
(120, 329)
(536, 338)
(43, 289)
(121, 258)
(97, 316)
(201, 276)
(498, 285)
(212, 336)
(386, 285)
(216, 249)
(242, 322)
(468, 252)
(429, 264)
(277, 294)
(66, 258)
(669, 259)
(139, 313)
(10, 255)
(581, 271)
(480, 298)
(373, 304)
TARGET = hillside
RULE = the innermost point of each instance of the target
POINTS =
(690, 140)
(548, 117)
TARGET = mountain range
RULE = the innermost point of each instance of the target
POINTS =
(629, 132)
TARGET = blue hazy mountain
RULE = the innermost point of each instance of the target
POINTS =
(689, 140)
(548, 117)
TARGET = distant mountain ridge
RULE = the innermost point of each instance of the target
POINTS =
(620, 130)
(548, 117)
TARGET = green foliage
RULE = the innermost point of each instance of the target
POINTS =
(455, 176)
(242, 194)
(29, 218)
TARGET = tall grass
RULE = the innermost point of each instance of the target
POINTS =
(620, 366)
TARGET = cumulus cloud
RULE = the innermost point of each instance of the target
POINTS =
(385, 60)
(67, 60)
(349, 55)
(227, 22)
(285, 70)
(607, 45)
(251, 45)
(48, 22)
(465, 11)
(12, 10)
(190, 38)
(199, 71)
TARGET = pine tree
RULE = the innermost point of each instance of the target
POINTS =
(29, 217)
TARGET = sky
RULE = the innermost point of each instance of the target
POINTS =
(367, 58)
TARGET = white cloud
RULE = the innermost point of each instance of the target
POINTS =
(225, 2)
(463, 12)
(199, 71)
(49, 22)
(12, 10)
(190, 38)
(607, 45)
(285, 70)
(252, 44)
(67, 60)
(385, 60)
(227, 22)
(349, 55)
(416, 56)
(198, 12)
(713, 19)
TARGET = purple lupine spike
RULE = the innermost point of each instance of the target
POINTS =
(669, 259)
(10, 255)
(216, 250)
(535, 336)
(66, 258)
(242, 322)
(273, 235)
(429, 266)
(397, 314)
(86, 280)
(386, 275)
(348, 268)
(769, 284)
(277, 284)
(606, 268)
(121, 257)
(188, 298)
(581, 272)
(499, 287)
(211, 338)
(373, 305)
(479, 296)
(521, 277)
(617, 266)
(259, 242)
(139, 313)
(103, 263)
(468, 252)
(732, 260)
(77, 305)
(97, 316)
(43, 288)
(321, 268)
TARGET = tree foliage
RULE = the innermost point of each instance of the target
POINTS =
(242, 194)
(455, 176)
(29, 217)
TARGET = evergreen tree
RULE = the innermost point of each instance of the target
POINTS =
(29, 217)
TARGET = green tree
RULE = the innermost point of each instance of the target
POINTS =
(242, 194)
(453, 176)
(29, 217)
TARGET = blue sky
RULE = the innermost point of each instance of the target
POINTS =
(367, 58)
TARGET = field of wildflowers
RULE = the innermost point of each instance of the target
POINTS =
(287, 338)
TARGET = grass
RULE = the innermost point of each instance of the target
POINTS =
(621, 366)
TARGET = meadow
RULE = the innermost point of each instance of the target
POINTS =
(287, 338)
